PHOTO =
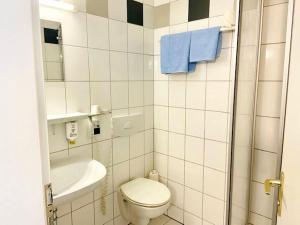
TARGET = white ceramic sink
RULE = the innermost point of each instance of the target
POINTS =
(74, 177)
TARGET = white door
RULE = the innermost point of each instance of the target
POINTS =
(291, 147)
(22, 129)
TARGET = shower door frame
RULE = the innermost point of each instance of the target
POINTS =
(232, 123)
(284, 96)
(285, 80)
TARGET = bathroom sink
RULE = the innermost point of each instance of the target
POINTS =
(74, 177)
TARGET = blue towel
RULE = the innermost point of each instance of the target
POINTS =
(175, 52)
(205, 44)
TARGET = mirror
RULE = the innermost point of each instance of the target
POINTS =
(53, 62)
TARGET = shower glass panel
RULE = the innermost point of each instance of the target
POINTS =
(244, 109)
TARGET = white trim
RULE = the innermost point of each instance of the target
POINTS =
(285, 80)
(44, 146)
(56, 4)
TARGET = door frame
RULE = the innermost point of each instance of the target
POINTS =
(284, 95)
(40, 85)
(24, 134)
(41, 98)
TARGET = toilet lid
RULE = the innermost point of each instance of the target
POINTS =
(146, 192)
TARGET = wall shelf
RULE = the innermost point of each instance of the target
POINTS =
(64, 118)
(68, 117)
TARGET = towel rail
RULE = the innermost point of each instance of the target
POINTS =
(228, 29)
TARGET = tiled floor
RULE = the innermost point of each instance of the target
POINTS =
(164, 220)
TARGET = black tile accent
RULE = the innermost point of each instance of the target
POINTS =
(135, 12)
(51, 36)
(198, 9)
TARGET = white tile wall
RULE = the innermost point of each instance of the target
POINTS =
(118, 66)
(268, 108)
(135, 66)
(214, 183)
(176, 145)
(261, 204)
(266, 164)
(195, 95)
(77, 96)
(99, 65)
(194, 176)
(219, 7)
(215, 155)
(191, 113)
(118, 35)
(161, 141)
(119, 95)
(161, 93)
(271, 62)
(117, 9)
(97, 28)
(135, 38)
(213, 210)
(259, 220)
(56, 97)
(161, 117)
(274, 27)
(99, 89)
(109, 63)
(195, 120)
(179, 12)
(194, 149)
(190, 219)
(193, 202)
(177, 120)
(148, 13)
(269, 99)
(76, 63)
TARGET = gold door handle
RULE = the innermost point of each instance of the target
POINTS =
(269, 183)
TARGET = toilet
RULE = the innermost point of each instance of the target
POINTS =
(143, 199)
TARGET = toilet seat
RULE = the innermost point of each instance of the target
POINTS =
(146, 193)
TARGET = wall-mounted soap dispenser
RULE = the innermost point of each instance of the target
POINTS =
(96, 129)
(72, 132)
(95, 111)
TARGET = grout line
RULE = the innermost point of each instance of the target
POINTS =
(128, 92)
(112, 143)
(143, 94)
(272, 43)
(91, 143)
(184, 146)
(275, 4)
(204, 110)
(209, 139)
(270, 117)
(260, 214)
(204, 142)
(168, 119)
(153, 74)
(270, 81)
(262, 150)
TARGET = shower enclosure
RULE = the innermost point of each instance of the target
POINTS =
(244, 110)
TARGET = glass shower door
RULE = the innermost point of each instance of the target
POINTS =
(244, 110)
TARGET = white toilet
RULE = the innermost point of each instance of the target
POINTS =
(142, 199)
